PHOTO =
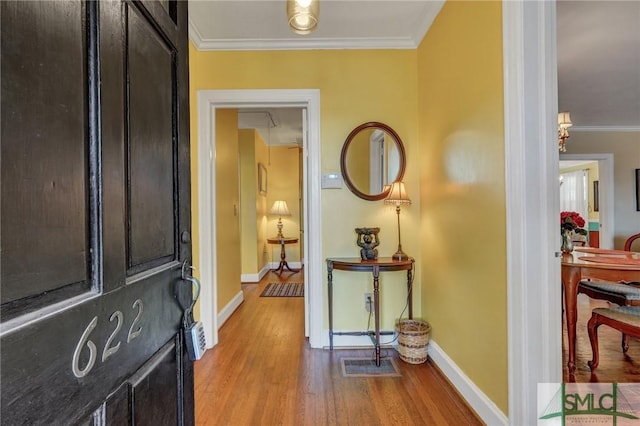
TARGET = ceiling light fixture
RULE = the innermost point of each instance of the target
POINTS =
(564, 122)
(303, 15)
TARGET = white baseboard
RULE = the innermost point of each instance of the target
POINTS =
(264, 271)
(250, 278)
(293, 265)
(481, 404)
(226, 312)
(255, 278)
(350, 342)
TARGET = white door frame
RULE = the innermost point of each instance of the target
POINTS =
(208, 102)
(532, 203)
(605, 176)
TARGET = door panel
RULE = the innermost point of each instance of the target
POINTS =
(150, 390)
(116, 407)
(151, 136)
(98, 180)
(44, 193)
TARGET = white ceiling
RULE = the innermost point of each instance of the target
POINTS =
(343, 24)
(599, 63)
(598, 47)
(277, 126)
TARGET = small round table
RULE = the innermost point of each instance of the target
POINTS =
(283, 256)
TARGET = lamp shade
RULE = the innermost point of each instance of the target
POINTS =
(303, 15)
(280, 209)
(397, 194)
(564, 120)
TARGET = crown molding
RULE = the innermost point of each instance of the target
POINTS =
(426, 20)
(296, 44)
(203, 44)
(194, 34)
(605, 129)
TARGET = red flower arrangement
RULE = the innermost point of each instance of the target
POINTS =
(572, 221)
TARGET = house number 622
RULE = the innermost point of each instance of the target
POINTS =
(110, 347)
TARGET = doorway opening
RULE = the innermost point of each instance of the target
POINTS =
(604, 207)
(270, 147)
(208, 102)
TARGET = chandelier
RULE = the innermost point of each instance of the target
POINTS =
(564, 122)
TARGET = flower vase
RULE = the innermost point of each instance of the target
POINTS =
(567, 242)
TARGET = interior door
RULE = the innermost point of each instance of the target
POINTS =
(95, 216)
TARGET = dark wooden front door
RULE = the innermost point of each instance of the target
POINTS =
(95, 213)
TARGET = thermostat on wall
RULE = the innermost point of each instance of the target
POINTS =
(331, 180)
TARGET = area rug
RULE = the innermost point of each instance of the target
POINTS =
(283, 290)
(366, 367)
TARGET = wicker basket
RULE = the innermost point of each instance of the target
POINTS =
(413, 338)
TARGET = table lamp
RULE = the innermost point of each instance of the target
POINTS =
(398, 195)
(280, 209)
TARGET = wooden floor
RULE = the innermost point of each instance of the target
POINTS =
(615, 366)
(263, 372)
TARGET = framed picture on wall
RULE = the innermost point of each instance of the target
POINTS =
(638, 190)
(262, 179)
(596, 196)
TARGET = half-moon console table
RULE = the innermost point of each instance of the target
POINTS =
(283, 255)
(356, 264)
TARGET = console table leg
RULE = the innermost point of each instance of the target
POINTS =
(330, 291)
(376, 310)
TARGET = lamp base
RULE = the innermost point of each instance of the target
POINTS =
(400, 255)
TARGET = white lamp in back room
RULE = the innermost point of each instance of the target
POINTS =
(280, 209)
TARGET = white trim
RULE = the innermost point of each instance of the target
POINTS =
(208, 102)
(255, 278)
(425, 21)
(250, 278)
(605, 129)
(387, 341)
(292, 265)
(532, 198)
(479, 402)
(207, 225)
(231, 307)
(194, 34)
(305, 215)
(605, 176)
(306, 44)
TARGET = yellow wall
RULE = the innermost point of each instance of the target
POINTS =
(462, 190)
(356, 86)
(283, 184)
(227, 206)
(248, 207)
(254, 206)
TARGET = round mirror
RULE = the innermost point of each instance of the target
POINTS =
(372, 157)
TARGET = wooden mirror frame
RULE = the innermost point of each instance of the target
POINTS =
(343, 159)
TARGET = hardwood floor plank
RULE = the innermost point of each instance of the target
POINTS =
(263, 372)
